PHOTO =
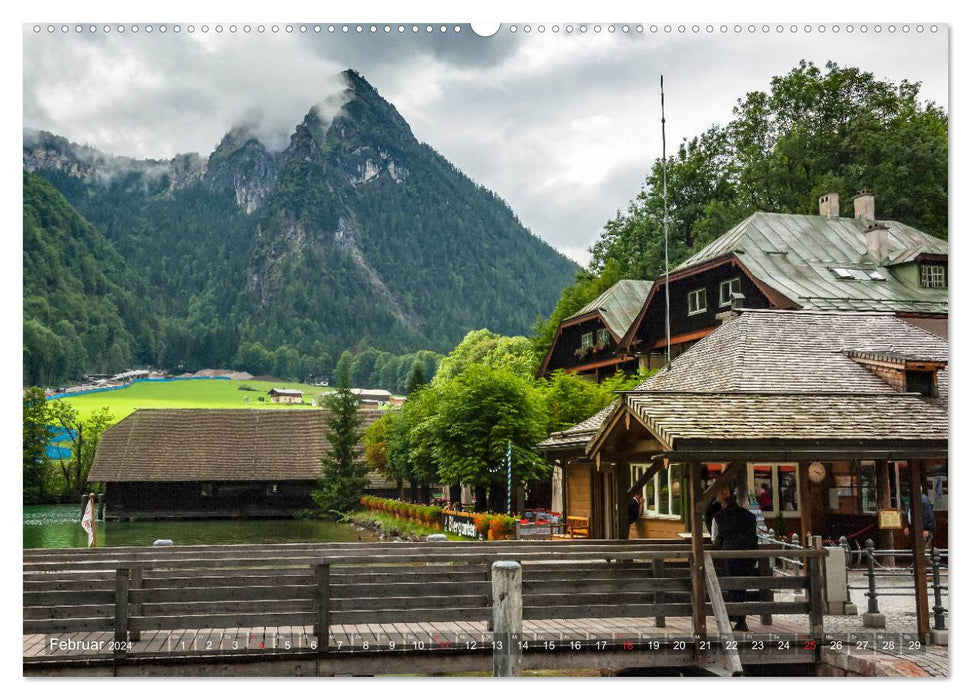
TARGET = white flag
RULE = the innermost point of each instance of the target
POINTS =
(87, 522)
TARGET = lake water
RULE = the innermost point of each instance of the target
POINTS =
(49, 527)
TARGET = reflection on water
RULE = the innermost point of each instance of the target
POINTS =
(48, 527)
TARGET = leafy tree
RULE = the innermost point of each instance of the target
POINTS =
(84, 437)
(483, 347)
(36, 422)
(477, 415)
(344, 476)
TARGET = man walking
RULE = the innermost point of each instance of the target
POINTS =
(735, 528)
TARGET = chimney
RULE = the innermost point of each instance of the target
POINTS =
(829, 205)
(878, 242)
(863, 207)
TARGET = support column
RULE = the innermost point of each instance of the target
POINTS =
(917, 545)
(507, 618)
(884, 538)
(697, 556)
(621, 484)
(805, 517)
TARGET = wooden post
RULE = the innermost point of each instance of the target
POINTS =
(697, 559)
(918, 546)
(884, 537)
(729, 649)
(766, 595)
(805, 512)
(121, 612)
(322, 628)
(101, 507)
(507, 617)
(741, 486)
(658, 571)
(136, 608)
(816, 601)
(622, 483)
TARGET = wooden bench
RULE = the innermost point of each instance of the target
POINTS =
(577, 528)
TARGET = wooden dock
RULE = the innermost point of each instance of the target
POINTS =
(393, 608)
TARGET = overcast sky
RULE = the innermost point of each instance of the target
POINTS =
(563, 126)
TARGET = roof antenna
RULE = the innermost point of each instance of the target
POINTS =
(667, 273)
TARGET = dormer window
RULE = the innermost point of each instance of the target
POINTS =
(921, 382)
(725, 290)
(586, 340)
(933, 276)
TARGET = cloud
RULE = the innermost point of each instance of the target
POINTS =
(562, 126)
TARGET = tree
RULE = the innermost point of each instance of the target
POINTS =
(478, 414)
(36, 420)
(344, 476)
(416, 379)
(483, 347)
(84, 436)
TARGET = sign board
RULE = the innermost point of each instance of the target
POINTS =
(461, 524)
(890, 519)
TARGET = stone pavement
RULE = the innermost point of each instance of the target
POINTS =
(875, 649)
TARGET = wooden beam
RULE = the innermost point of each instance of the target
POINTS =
(621, 482)
(917, 544)
(724, 479)
(645, 477)
(729, 648)
(697, 558)
(884, 538)
(805, 513)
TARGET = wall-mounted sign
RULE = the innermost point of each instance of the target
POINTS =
(890, 519)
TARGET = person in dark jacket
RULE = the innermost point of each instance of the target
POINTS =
(633, 510)
(928, 522)
(736, 529)
(715, 507)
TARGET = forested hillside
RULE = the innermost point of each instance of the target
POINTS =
(356, 236)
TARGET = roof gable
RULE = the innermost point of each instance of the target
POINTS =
(618, 306)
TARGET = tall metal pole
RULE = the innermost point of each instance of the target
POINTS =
(667, 273)
(509, 478)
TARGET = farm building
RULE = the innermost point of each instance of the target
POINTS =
(375, 397)
(285, 395)
(827, 417)
(208, 463)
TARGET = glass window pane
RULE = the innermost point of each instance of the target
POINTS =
(677, 470)
(788, 493)
(763, 487)
(663, 493)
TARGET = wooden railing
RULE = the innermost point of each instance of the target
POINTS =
(133, 590)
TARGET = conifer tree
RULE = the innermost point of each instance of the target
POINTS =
(344, 476)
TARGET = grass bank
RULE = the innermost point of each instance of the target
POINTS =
(193, 393)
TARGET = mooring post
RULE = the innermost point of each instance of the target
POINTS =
(939, 633)
(872, 617)
(658, 571)
(507, 617)
(121, 612)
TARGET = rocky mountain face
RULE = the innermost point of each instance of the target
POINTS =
(355, 232)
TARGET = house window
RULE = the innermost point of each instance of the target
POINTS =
(206, 490)
(662, 494)
(586, 340)
(920, 382)
(603, 336)
(725, 290)
(933, 276)
(776, 489)
(697, 301)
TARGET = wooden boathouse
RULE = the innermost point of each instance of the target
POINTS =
(216, 463)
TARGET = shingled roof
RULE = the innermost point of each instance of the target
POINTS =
(797, 255)
(771, 374)
(618, 305)
(192, 444)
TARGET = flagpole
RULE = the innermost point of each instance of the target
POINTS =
(667, 273)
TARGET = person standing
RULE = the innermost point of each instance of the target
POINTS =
(735, 529)
(928, 523)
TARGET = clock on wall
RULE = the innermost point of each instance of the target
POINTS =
(817, 472)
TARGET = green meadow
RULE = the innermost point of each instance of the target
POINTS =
(192, 393)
